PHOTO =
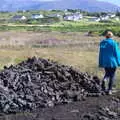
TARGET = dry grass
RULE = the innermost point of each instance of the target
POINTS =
(82, 56)
(86, 61)
(25, 38)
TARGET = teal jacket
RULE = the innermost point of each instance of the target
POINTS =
(109, 54)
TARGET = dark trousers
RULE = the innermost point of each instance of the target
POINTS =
(110, 74)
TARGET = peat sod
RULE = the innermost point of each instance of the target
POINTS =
(37, 83)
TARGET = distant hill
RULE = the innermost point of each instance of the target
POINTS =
(88, 5)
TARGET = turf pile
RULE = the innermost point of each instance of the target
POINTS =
(37, 83)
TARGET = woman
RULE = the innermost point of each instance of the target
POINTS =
(109, 59)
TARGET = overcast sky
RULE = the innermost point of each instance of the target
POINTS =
(45, 0)
(117, 2)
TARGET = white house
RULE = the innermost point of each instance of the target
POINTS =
(102, 18)
(73, 17)
(54, 15)
(68, 17)
(18, 17)
(111, 15)
(37, 16)
(94, 19)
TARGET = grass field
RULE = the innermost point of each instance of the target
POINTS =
(77, 49)
(64, 26)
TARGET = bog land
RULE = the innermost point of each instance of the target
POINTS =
(76, 49)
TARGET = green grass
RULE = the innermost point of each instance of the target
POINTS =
(66, 26)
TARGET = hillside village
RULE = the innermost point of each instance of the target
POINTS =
(52, 16)
(67, 17)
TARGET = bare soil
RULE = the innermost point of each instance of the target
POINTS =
(93, 108)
